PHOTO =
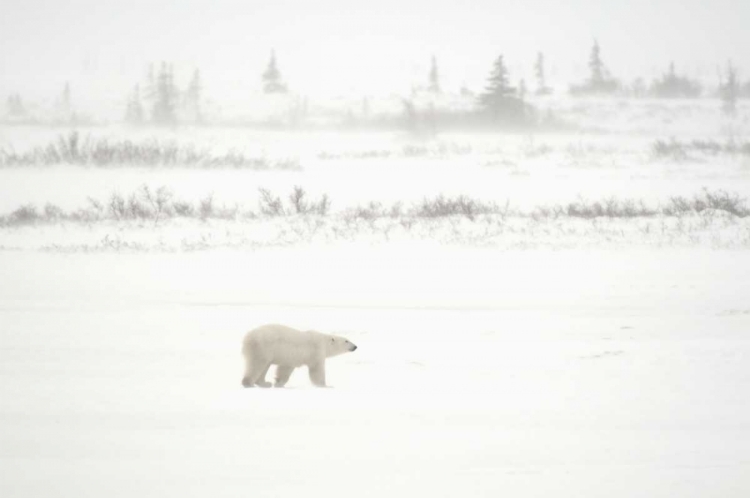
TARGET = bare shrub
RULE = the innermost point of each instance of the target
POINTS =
(410, 150)
(206, 208)
(227, 212)
(374, 210)
(677, 205)
(610, 207)
(724, 201)
(441, 206)
(370, 211)
(607, 208)
(396, 210)
(670, 149)
(136, 208)
(94, 211)
(184, 209)
(24, 215)
(545, 212)
(117, 207)
(270, 205)
(297, 200)
(53, 212)
(532, 150)
(159, 201)
(158, 205)
(719, 201)
(322, 206)
(679, 151)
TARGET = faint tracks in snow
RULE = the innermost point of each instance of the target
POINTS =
(734, 312)
(604, 354)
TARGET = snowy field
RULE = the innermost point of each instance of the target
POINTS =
(520, 352)
(478, 373)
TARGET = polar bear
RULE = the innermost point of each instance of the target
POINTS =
(288, 348)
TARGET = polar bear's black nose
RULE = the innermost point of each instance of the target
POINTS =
(354, 347)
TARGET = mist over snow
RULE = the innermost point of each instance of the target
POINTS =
(532, 219)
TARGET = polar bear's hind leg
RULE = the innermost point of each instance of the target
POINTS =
(262, 382)
(256, 368)
(283, 372)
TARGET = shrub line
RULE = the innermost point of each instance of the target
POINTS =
(103, 153)
(160, 204)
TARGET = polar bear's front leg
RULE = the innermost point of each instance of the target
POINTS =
(318, 373)
(282, 375)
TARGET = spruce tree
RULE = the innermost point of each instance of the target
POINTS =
(672, 85)
(596, 66)
(434, 86)
(174, 93)
(497, 87)
(66, 99)
(729, 91)
(193, 97)
(599, 80)
(134, 112)
(541, 78)
(272, 82)
(163, 111)
(149, 93)
(15, 106)
(499, 99)
(138, 113)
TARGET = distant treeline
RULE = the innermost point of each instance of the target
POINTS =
(160, 101)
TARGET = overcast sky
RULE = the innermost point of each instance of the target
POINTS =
(358, 46)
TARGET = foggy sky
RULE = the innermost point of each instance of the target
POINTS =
(358, 46)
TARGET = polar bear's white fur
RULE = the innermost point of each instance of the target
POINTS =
(288, 348)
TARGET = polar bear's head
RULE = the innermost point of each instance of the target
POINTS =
(336, 345)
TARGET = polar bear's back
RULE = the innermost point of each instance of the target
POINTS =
(282, 345)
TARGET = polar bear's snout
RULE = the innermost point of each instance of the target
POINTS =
(352, 347)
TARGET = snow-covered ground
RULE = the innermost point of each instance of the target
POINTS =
(500, 354)
(479, 373)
